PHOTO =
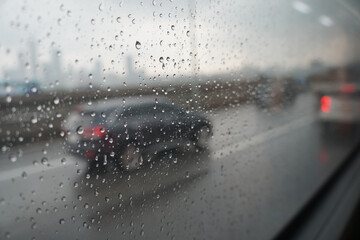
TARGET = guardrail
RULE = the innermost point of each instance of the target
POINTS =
(31, 118)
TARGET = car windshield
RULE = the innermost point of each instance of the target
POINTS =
(172, 119)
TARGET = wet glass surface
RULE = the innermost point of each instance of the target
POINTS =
(172, 119)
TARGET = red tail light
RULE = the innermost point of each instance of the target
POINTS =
(325, 104)
(89, 153)
(96, 132)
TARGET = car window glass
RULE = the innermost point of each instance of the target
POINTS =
(172, 119)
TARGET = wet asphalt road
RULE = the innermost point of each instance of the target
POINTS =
(261, 167)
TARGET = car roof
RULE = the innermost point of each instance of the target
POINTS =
(122, 102)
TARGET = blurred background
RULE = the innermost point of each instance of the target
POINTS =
(278, 81)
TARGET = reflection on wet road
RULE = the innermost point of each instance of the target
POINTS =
(263, 164)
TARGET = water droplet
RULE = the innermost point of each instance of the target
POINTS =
(12, 158)
(7, 88)
(161, 59)
(153, 2)
(92, 21)
(80, 130)
(44, 161)
(63, 161)
(33, 226)
(172, 27)
(8, 99)
(90, 76)
(62, 221)
(34, 119)
(118, 19)
(138, 45)
(101, 6)
(56, 100)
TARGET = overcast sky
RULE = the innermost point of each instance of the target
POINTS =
(226, 35)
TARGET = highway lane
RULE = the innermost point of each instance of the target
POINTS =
(261, 166)
(233, 127)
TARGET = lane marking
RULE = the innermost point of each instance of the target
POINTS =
(35, 169)
(262, 137)
(235, 147)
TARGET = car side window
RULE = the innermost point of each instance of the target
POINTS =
(169, 110)
(137, 111)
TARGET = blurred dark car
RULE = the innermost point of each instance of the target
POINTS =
(125, 132)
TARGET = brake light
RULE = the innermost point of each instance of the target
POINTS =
(89, 154)
(325, 104)
(96, 132)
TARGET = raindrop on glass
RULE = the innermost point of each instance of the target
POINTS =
(56, 100)
(80, 130)
(44, 161)
(34, 119)
(13, 158)
(101, 6)
(138, 45)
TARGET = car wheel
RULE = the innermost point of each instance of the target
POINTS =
(131, 158)
(202, 137)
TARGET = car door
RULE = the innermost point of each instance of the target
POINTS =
(172, 123)
(145, 124)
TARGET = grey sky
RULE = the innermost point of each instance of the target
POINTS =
(229, 34)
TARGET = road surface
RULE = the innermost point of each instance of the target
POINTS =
(261, 168)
